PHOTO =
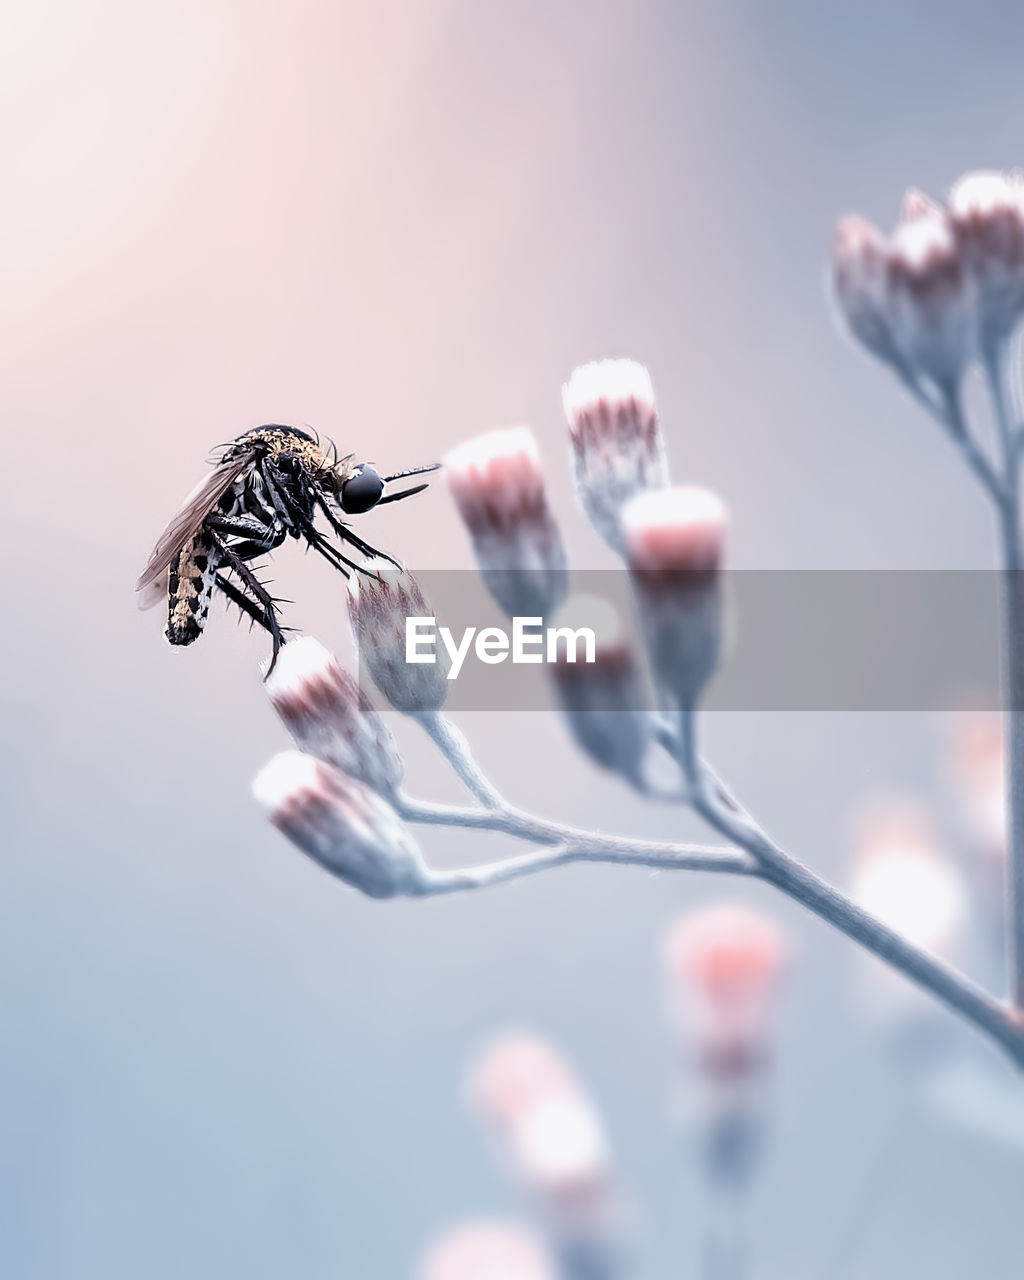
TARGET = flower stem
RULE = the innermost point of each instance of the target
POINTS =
(1012, 672)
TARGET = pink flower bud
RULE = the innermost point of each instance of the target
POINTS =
(901, 877)
(603, 702)
(341, 824)
(617, 447)
(674, 545)
(379, 605)
(329, 716)
(930, 303)
(724, 964)
(498, 486)
(860, 278)
(488, 1251)
(986, 211)
(545, 1126)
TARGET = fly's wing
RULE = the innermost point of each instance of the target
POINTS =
(152, 583)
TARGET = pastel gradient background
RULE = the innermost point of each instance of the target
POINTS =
(403, 223)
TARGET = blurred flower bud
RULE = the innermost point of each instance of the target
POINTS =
(986, 211)
(978, 769)
(929, 293)
(724, 965)
(901, 877)
(487, 1251)
(617, 447)
(549, 1134)
(498, 486)
(603, 702)
(329, 716)
(341, 824)
(860, 279)
(379, 603)
(674, 544)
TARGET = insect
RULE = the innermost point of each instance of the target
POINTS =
(269, 484)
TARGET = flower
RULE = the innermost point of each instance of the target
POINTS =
(675, 541)
(545, 1125)
(379, 603)
(860, 281)
(617, 447)
(603, 702)
(498, 487)
(901, 876)
(986, 212)
(329, 716)
(929, 296)
(487, 1251)
(548, 1133)
(723, 965)
(341, 824)
(979, 776)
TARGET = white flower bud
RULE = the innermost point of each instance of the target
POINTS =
(341, 824)
(617, 447)
(329, 716)
(674, 544)
(860, 279)
(986, 211)
(544, 1125)
(498, 487)
(549, 1134)
(379, 604)
(979, 780)
(901, 876)
(488, 1251)
(930, 302)
(603, 702)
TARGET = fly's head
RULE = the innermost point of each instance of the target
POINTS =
(359, 487)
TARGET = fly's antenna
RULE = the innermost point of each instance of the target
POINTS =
(406, 493)
(413, 471)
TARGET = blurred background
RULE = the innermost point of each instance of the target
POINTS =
(403, 223)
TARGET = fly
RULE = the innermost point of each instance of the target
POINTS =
(269, 484)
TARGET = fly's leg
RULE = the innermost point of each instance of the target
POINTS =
(262, 597)
(344, 532)
(302, 522)
(236, 596)
(257, 536)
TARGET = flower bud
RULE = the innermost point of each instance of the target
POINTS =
(603, 702)
(860, 279)
(488, 1251)
(901, 877)
(724, 965)
(379, 603)
(930, 310)
(329, 716)
(498, 486)
(979, 776)
(617, 447)
(986, 211)
(341, 824)
(544, 1124)
(674, 544)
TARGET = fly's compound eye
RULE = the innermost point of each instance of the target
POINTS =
(361, 491)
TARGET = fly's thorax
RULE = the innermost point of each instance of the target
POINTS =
(189, 588)
(284, 444)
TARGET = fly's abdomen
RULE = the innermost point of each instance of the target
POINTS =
(188, 591)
